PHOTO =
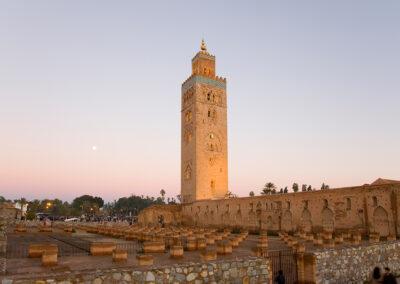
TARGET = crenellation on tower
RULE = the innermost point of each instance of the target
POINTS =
(204, 167)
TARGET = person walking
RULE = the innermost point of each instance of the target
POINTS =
(280, 279)
(376, 276)
(388, 277)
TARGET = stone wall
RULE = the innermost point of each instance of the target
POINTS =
(3, 245)
(171, 214)
(370, 208)
(8, 215)
(249, 270)
(352, 264)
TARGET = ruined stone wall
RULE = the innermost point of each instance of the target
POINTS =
(249, 270)
(171, 215)
(355, 264)
(7, 216)
(367, 208)
(3, 246)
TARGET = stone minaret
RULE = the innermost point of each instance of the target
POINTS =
(204, 147)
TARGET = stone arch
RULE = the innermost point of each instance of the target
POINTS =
(253, 219)
(270, 224)
(238, 218)
(306, 223)
(286, 221)
(381, 221)
(328, 223)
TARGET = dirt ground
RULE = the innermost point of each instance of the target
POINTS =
(84, 261)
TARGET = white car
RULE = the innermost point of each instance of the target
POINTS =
(71, 220)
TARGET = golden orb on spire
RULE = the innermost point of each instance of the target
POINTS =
(203, 46)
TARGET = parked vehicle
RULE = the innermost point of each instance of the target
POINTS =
(71, 220)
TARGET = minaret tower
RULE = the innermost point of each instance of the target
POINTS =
(204, 147)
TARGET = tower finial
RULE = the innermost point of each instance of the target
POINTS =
(203, 46)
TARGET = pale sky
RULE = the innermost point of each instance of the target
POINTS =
(313, 93)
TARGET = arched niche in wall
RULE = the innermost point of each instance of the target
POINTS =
(381, 221)
(328, 223)
(238, 217)
(306, 223)
(286, 220)
(270, 224)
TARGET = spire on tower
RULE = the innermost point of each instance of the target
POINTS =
(203, 46)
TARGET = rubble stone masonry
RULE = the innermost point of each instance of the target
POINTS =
(249, 270)
(352, 264)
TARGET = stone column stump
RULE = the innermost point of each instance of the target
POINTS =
(120, 255)
(210, 239)
(102, 248)
(318, 241)
(49, 258)
(328, 243)
(176, 251)
(37, 250)
(191, 244)
(145, 259)
(374, 238)
(153, 247)
(201, 243)
(234, 242)
(208, 254)
(224, 247)
(338, 238)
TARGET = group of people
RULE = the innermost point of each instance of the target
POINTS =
(385, 277)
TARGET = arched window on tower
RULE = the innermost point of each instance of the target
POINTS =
(212, 184)
(208, 96)
(375, 201)
(209, 113)
(188, 172)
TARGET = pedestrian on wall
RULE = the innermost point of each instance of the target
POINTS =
(376, 276)
(280, 278)
(388, 277)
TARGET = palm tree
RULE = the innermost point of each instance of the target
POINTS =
(269, 187)
(324, 186)
(162, 192)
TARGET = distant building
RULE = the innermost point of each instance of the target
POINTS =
(22, 207)
(9, 212)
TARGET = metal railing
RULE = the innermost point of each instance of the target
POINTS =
(285, 260)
